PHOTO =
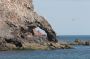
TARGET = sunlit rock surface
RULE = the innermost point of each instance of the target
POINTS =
(17, 19)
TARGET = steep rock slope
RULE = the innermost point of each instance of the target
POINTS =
(17, 19)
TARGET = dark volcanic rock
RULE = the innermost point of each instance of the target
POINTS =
(17, 20)
(81, 42)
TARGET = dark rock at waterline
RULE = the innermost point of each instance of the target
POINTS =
(81, 42)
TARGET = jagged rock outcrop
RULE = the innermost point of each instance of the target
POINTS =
(17, 19)
(81, 42)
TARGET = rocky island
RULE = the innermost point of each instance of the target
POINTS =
(18, 21)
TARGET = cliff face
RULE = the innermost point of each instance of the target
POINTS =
(17, 17)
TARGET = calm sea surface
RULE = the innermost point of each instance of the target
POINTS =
(80, 52)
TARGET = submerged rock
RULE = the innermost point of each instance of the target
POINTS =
(81, 42)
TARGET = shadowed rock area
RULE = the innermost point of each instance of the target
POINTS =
(17, 21)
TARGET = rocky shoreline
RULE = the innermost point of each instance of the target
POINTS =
(81, 42)
(17, 22)
(37, 43)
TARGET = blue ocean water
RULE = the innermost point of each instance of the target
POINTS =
(80, 52)
(70, 38)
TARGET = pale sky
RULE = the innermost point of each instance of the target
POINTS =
(67, 17)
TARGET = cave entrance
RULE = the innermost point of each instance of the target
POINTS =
(39, 32)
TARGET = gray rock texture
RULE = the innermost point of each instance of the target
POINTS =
(17, 19)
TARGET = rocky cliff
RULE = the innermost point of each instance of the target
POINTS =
(17, 19)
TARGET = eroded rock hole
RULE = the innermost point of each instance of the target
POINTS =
(14, 41)
(39, 31)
